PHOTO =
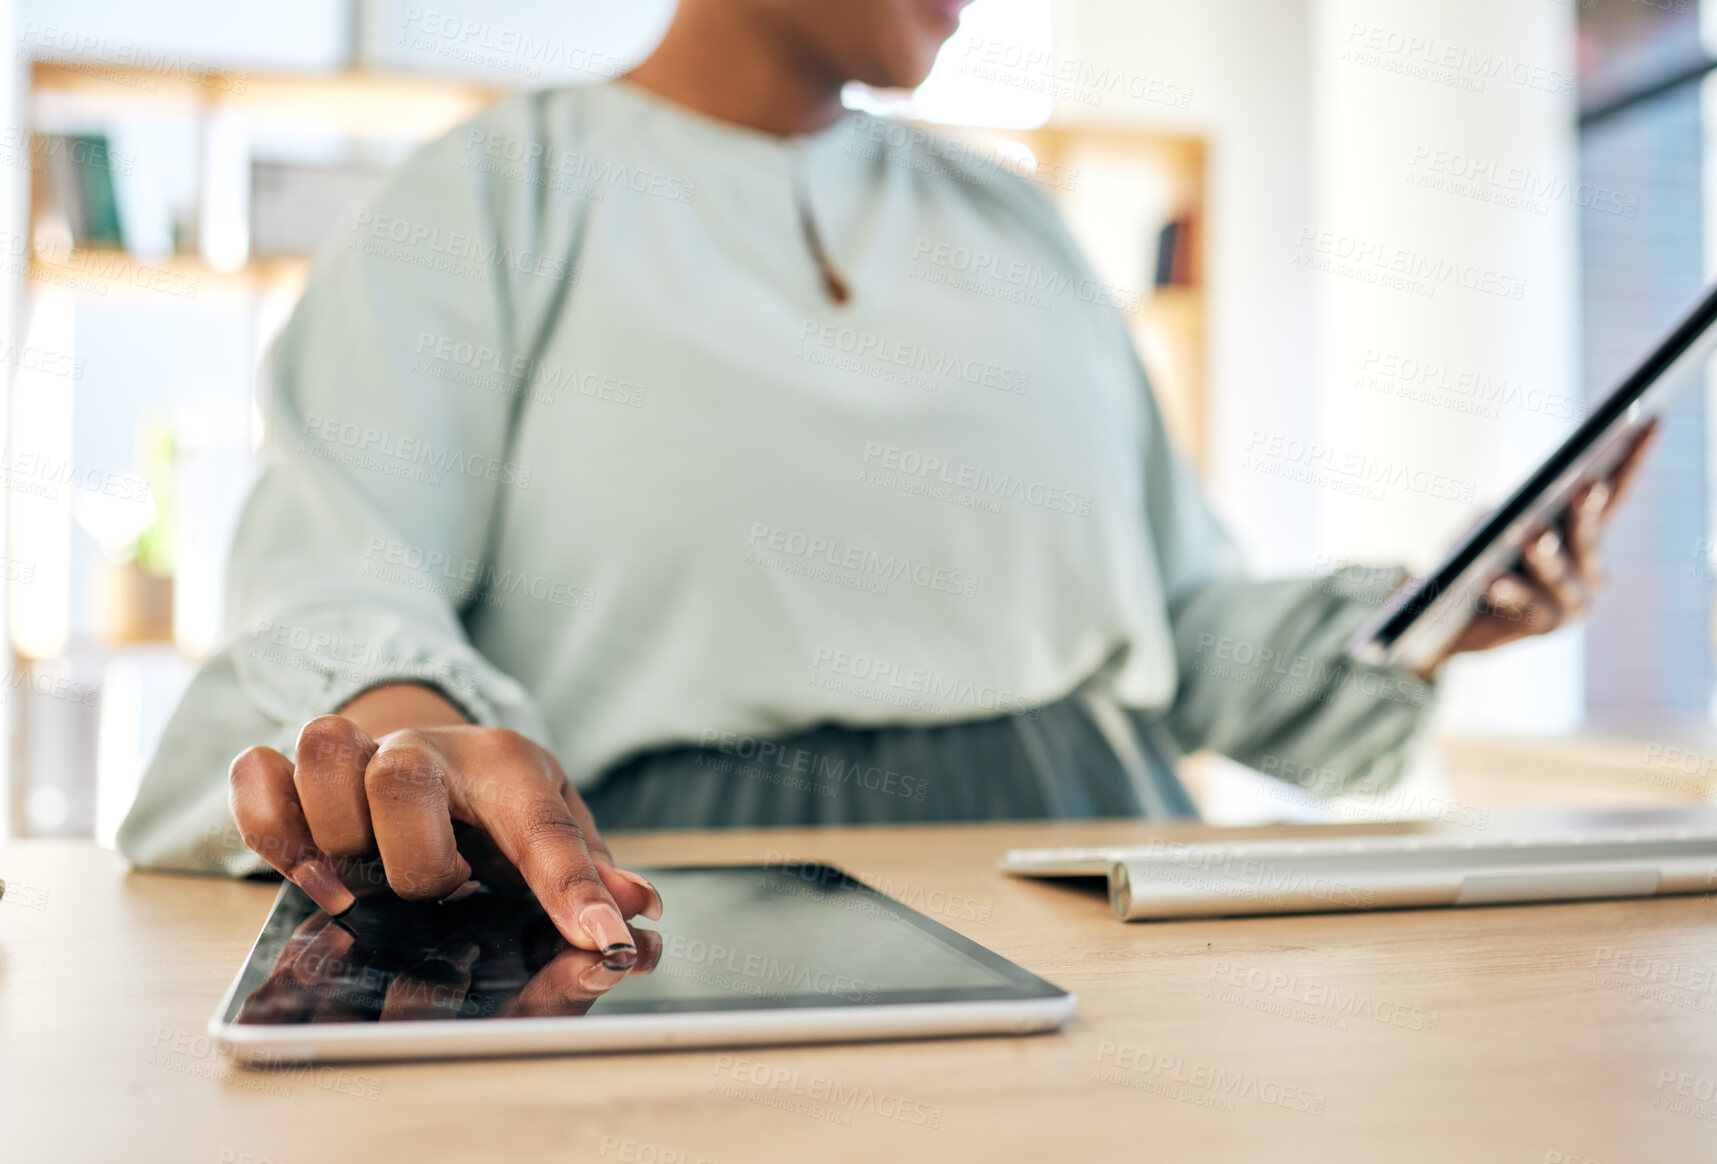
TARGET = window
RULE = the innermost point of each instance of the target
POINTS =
(1643, 86)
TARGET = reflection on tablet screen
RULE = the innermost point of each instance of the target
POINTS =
(730, 938)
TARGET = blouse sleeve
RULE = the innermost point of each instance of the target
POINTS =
(1262, 672)
(364, 540)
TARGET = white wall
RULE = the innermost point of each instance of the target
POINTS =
(186, 34)
(1406, 93)
(14, 201)
(511, 42)
(521, 43)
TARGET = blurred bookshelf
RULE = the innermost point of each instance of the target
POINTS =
(156, 282)
(1131, 197)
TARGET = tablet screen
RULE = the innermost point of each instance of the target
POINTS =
(730, 938)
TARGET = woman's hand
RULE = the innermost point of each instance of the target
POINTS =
(432, 811)
(1559, 573)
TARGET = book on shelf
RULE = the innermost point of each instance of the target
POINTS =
(1177, 252)
(79, 184)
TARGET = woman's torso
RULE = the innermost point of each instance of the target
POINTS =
(751, 509)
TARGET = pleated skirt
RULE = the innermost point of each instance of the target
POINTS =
(1078, 758)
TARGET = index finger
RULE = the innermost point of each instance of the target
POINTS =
(548, 847)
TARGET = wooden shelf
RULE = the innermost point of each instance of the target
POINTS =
(357, 100)
(112, 272)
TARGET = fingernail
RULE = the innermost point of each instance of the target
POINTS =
(653, 910)
(1596, 500)
(1546, 545)
(460, 894)
(608, 931)
(316, 878)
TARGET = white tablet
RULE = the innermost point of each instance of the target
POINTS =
(744, 954)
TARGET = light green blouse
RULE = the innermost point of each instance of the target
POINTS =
(573, 424)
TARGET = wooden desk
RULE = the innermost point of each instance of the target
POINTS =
(1532, 1034)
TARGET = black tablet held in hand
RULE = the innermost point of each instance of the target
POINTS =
(744, 954)
(1420, 620)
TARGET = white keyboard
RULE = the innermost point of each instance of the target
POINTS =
(1097, 859)
(1167, 879)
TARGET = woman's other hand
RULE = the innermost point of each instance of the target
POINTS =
(1560, 570)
